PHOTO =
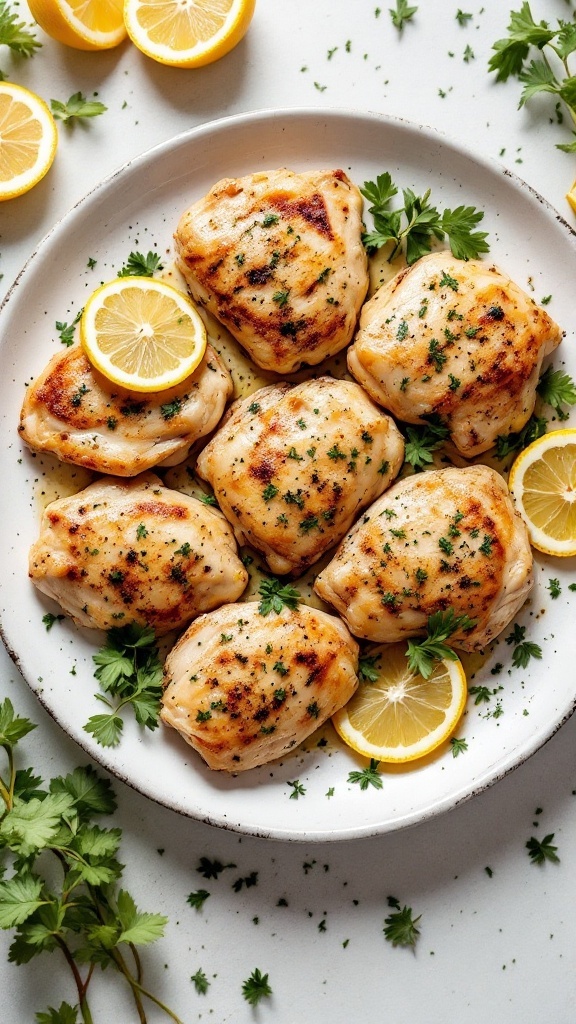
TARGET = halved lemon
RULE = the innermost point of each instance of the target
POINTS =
(82, 24)
(187, 33)
(571, 197)
(400, 716)
(142, 334)
(28, 140)
(543, 485)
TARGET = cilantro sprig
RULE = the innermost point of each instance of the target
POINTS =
(76, 108)
(422, 654)
(128, 669)
(536, 53)
(276, 596)
(16, 34)
(77, 909)
(414, 225)
(557, 389)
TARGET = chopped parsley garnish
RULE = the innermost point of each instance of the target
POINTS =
(400, 927)
(281, 297)
(76, 108)
(171, 409)
(138, 265)
(523, 652)
(459, 746)
(269, 492)
(67, 331)
(402, 13)
(422, 223)
(367, 776)
(298, 789)
(198, 898)
(422, 654)
(540, 851)
(554, 588)
(276, 595)
(422, 441)
(557, 389)
(201, 983)
(16, 34)
(256, 987)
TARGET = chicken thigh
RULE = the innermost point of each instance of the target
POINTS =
(135, 551)
(458, 340)
(293, 466)
(447, 538)
(78, 415)
(278, 257)
(244, 688)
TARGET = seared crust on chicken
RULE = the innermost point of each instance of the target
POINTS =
(78, 415)
(457, 340)
(447, 538)
(243, 688)
(293, 466)
(135, 551)
(278, 257)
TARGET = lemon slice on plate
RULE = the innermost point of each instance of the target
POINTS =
(28, 140)
(399, 716)
(543, 484)
(82, 24)
(142, 334)
(185, 34)
(571, 197)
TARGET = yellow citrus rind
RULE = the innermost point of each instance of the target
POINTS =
(401, 716)
(81, 24)
(571, 197)
(542, 483)
(142, 334)
(187, 35)
(28, 140)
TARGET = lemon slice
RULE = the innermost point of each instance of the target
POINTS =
(83, 24)
(400, 716)
(187, 33)
(571, 197)
(543, 484)
(142, 334)
(28, 140)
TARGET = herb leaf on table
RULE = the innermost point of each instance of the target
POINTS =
(16, 34)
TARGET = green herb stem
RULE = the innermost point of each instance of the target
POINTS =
(80, 985)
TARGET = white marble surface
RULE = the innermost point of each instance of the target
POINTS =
(500, 947)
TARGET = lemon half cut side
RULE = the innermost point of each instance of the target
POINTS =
(81, 24)
(543, 485)
(142, 334)
(187, 33)
(400, 716)
(28, 140)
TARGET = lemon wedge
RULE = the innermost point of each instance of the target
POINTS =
(28, 140)
(571, 197)
(187, 34)
(543, 485)
(398, 715)
(142, 334)
(82, 24)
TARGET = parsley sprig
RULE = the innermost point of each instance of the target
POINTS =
(402, 13)
(422, 442)
(417, 223)
(400, 927)
(256, 987)
(276, 596)
(541, 850)
(422, 654)
(140, 265)
(128, 669)
(77, 909)
(77, 108)
(547, 70)
(15, 34)
(557, 389)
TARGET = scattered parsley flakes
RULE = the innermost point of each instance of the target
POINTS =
(256, 987)
(523, 652)
(557, 389)
(400, 927)
(67, 331)
(276, 595)
(459, 746)
(554, 588)
(198, 898)
(401, 14)
(201, 983)
(298, 789)
(540, 851)
(49, 619)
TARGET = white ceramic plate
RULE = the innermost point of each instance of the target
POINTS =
(137, 208)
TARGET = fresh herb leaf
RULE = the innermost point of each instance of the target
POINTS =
(401, 14)
(128, 669)
(506, 444)
(540, 851)
(422, 654)
(400, 927)
(16, 34)
(523, 652)
(367, 776)
(276, 595)
(76, 108)
(256, 987)
(459, 746)
(212, 868)
(298, 789)
(422, 441)
(367, 668)
(557, 389)
(554, 588)
(201, 983)
(67, 331)
(140, 265)
(65, 1014)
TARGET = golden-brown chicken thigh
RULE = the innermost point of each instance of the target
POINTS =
(135, 551)
(244, 688)
(278, 257)
(293, 466)
(458, 340)
(442, 539)
(78, 415)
